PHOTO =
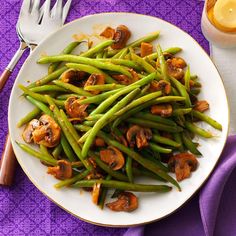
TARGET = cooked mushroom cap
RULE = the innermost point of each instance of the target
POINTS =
(95, 79)
(108, 33)
(63, 170)
(121, 37)
(74, 77)
(99, 142)
(137, 135)
(146, 49)
(48, 133)
(124, 79)
(113, 157)
(182, 164)
(74, 109)
(27, 133)
(161, 85)
(164, 110)
(175, 67)
(126, 202)
(201, 106)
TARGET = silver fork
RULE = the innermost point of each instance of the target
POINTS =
(33, 25)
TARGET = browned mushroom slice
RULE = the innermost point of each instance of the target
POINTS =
(93, 175)
(113, 157)
(182, 164)
(96, 192)
(48, 133)
(74, 109)
(164, 110)
(161, 85)
(27, 133)
(146, 49)
(108, 33)
(120, 139)
(139, 136)
(99, 142)
(175, 66)
(72, 76)
(121, 37)
(63, 170)
(126, 202)
(124, 79)
(201, 106)
(95, 79)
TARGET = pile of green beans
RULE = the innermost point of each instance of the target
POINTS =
(112, 111)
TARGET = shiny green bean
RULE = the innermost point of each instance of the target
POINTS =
(30, 116)
(197, 130)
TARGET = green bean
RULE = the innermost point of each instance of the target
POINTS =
(136, 43)
(145, 65)
(104, 120)
(38, 97)
(123, 53)
(67, 50)
(197, 130)
(44, 151)
(67, 132)
(189, 144)
(68, 182)
(156, 118)
(182, 91)
(122, 62)
(181, 111)
(66, 96)
(99, 55)
(144, 162)
(195, 91)
(116, 174)
(97, 48)
(70, 126)
(104, 87)
(93, 117)
(157, 148)
(72, 88)
(207, 119)
(89, 122)
(164, 140)
(162, 62)
(48, 78)
(129, 170)
(67, 148)
(123, 185)
(103, 194)
(178, 139)
(91, 70)
(30, 116)
(38, 155)
(138, 102)
(57, 151)
(84, 136)
(155, 125)
(45, 88)
(187, 79)
(172, 50)
(110, 100)
(85, 60)
(174, 91)
(144, 172)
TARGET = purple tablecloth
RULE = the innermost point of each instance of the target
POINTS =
(26, 211)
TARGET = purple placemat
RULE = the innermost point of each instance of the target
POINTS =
(23, 209)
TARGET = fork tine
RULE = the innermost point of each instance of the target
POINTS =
(46, 11)
(35, 6)
(25, 7)
(57, 9)
(66, 9)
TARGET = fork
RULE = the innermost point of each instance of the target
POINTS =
(33, 25)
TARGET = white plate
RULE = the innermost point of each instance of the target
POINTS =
(153, 206)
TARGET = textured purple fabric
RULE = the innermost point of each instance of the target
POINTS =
(26, 211)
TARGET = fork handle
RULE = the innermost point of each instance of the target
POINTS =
(7, 72)
(7, 164)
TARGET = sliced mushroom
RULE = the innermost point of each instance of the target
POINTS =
(27, 133)
(108, 33)
(161, 85)
(164, 110)
(139, 136)
(48, 133)
(94, 175)
(146, 49)
(95, 79)
(124, 79)
(120, 139)
(201, 106)
(113, 157)
(182, 164)
(63, 170)
(99, 142)
(175, 66)
(74, 109)
(126, 201)
(121, 37)
(75, 77)
(96, 192)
